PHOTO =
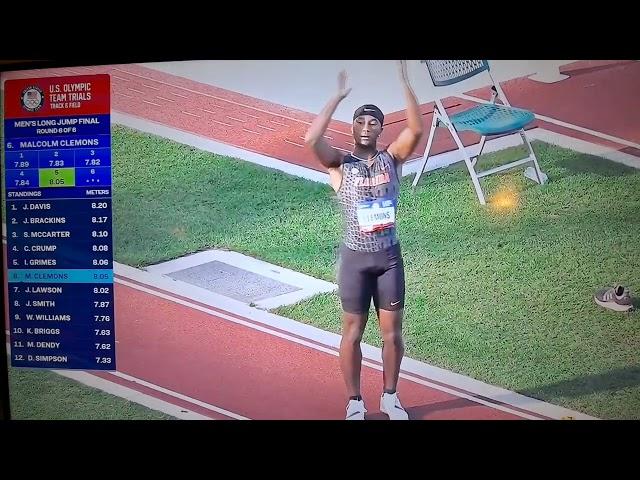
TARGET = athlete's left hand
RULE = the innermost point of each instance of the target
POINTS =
(402, 68)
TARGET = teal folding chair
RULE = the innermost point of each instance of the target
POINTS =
(487, 119)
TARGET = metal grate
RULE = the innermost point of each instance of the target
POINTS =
(234, 282)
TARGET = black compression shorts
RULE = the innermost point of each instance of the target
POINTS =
(366, 275)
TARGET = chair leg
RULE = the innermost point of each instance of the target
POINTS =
(425, 158)
(532, 154)
(483, 140)
(476, 157)
(467, 161)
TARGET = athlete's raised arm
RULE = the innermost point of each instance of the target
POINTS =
(403, 146)
(328, 156)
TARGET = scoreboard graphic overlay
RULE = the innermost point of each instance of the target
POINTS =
(58, 190)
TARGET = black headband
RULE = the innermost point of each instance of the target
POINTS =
(370, 110)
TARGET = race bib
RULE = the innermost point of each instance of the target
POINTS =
(376, 215)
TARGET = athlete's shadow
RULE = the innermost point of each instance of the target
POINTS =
(425, 412)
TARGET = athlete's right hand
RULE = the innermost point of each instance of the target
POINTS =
(343, 91)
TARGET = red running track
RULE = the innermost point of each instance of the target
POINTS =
(253, 373)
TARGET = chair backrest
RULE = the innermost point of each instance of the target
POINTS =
(448, 72)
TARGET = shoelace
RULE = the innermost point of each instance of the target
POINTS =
(611, 293)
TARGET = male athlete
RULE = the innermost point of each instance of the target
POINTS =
(367, 183)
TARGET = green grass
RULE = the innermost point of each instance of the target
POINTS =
(44, 395)
(170, 199)
(503, 294)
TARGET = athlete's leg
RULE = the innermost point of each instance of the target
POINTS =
(392, 347)
(350, 353)
(389, 301)
(356, 289)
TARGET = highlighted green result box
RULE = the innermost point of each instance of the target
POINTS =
(57, 177)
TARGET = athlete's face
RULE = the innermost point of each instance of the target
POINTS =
(366, 130)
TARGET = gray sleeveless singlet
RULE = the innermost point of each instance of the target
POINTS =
(369, 197)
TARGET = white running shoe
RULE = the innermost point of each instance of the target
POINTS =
(355, 410)
(390, 404)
